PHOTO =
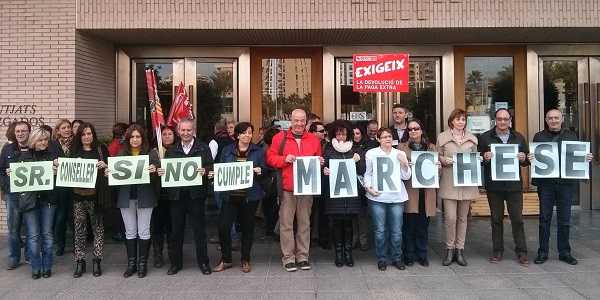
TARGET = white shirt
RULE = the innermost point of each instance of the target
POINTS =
(188, 147)
(385, 197)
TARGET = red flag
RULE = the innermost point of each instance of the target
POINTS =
(181, 107)
(156, 113)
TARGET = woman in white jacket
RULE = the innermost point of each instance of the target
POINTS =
(387, 207)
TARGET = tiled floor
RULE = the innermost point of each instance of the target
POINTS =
(480, 280)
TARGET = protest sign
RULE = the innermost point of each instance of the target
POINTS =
(546, 163)
(181, 172)
(342, 178)
(380, 72)
(424, 170)
(233, 176)
(386, 173)
(505, 164)
(77, 172)
(573, 163)
(307, 175)
(466, 169)
(31, 176)
(126, 170)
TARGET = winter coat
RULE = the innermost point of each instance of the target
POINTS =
(447, 146)
(147, 194)
(199, 149)
(347, 205)
(257, 156)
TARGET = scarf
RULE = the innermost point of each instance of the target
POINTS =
(341, 147)
(65, 144)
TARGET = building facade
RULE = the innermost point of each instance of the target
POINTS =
(253, 60)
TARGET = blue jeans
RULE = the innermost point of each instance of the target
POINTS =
(15, 219)
(40, 236)
(562, 197)
(387, 228)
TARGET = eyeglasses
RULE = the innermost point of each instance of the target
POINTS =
(503, 119)
(414, 129)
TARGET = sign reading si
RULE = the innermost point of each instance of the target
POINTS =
(76, 172)
(181, 171)
(342, 180)
(466, 169)
(307, 175)
(380, 72)
(128, 170)
(31, 176)
(233, 176)
(424, 170)
(546, 163)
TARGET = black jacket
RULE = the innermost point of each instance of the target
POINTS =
(349, 205)
(490, 137)
(199, 149)
(549, 136)
(147, 194)
(29, 156)
(395, 136)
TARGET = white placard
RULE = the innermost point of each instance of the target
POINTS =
(466, 169)
(233, 176)
(573, 163)
(478, 124)
(307, 175)
(505, 163)
(127, 170)
(342, 178)
(77, 172)
(386, 173)
(181, 171)
(31, 176)
(424, 170)
(546, 163)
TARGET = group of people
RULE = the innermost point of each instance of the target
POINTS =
(152, 215)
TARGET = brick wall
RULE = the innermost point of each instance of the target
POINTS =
(45, 65)
(37, 65)
(329, 14)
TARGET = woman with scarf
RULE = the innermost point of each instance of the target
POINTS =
(342, 211)
(62, 137)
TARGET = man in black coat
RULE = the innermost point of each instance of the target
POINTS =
(500, 191)
(399, 132)
(555, 190)
(188, 200)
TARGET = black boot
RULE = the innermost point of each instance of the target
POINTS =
(449, 257)
(143, 258)
(349, 260)
(131, 246)
(348, 253)
(96, 270)
(157, 250)
(339, 254)
(460, 258)
(79, 268)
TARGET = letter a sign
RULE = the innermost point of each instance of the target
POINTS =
(380, 72)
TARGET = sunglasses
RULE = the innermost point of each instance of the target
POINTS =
(321, 131)
(414, 129)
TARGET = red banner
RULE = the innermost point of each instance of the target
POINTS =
(380, 72)
(181, 107)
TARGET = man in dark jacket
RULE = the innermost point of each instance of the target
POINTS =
(15, 218)
(555, 190)
(399, 132)
(188, 200)
(500, 191)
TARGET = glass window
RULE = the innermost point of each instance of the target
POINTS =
(560, 90)
(286, 84)
(358, 107)
(164, 86)
(421, 96)
(489, 86)
(215, 95)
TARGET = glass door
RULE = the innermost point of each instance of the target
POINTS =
(571, 85)
(422, 99)
(210, 83)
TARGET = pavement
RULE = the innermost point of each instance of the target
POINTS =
(268, 280)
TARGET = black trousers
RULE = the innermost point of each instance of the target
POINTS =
(195, 208)
(415, 231)
(161, 221)
(514, 205)
(270, 210)
(342, 229)
(245, 210)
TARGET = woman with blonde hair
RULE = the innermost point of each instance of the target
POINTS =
(62, 137)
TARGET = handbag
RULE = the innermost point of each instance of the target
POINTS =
(27, 201)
